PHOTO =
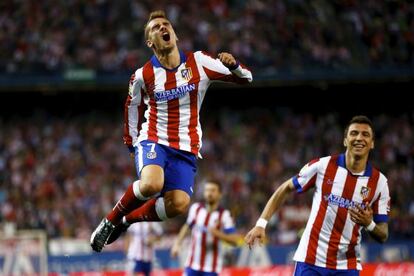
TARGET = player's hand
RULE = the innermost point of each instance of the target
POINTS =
(214, 231)
(174, 250)
(257, 233)
(227, 59)
(360, 215)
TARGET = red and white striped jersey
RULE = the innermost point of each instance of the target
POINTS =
(163, 105)
(139, 249)
(205, 251)
(330, 238)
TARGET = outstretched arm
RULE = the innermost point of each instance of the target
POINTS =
(231, 238)
(225, 68)
(274, 203)
(177, 243)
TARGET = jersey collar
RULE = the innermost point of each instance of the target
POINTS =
(157, 64)
(341, 162)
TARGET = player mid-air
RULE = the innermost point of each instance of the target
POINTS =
(162, 128)
(349, 195)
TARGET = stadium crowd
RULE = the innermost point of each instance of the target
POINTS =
(63, 174)
(271, 36)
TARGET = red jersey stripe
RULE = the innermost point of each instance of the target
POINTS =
(339, 222)
(127, 136)
(350, 254)
(330, 173)
(192, 127)
(173, 112)
(149, 80)
(141, 111)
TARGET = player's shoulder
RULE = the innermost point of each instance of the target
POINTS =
(196, 205)
(324, 160)
(382, 178)
(136, 76)
(317, 160)
(203, 54)
(226, 212)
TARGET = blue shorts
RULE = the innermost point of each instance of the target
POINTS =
(180, 167)
(304, 269)
(142, 267)
(191, 272)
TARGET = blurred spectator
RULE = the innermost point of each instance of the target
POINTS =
(271, 36)
(62, 176)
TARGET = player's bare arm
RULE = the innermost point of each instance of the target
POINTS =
(232, 239)
(364, 217)
(227, 59)
(177, 243)
(274, 203)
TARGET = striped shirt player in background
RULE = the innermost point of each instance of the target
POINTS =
(140, 240)
(210, 225)
(162, 128)
(349, 195)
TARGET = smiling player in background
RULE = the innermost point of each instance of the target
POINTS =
(350, 195)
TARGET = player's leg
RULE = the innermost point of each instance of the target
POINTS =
(130, 267)
(150, 160)
(154, 209)
(151, 183)
(172, 204)
(176, 194)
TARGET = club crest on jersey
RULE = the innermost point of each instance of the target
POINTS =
(365, 192)
(151, 155)
(187, 74)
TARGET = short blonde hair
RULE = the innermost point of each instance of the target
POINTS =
(152, 16)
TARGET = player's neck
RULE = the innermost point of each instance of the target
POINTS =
(355, 164)
(169, 59)
(211, 207)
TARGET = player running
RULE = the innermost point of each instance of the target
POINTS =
(349, 195)
(140, 239)
(162, 128)
(210, 225)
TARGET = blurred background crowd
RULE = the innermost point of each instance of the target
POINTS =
(63, 174)
(269, 35)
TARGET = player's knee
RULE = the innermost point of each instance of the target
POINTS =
(152, 181)
(178, 206)
(150, 187)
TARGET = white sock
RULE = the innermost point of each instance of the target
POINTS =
(137, 191)
(160, 208)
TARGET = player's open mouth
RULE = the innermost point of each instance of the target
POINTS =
(166, 37)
